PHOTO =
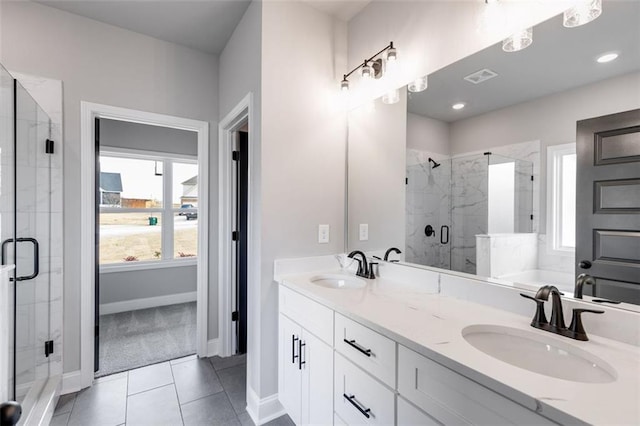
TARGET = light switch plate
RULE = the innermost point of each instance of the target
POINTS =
(364, 232)
(323, 234)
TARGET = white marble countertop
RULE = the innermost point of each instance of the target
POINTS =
(432, 324)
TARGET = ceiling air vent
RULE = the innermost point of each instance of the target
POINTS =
(481, 76)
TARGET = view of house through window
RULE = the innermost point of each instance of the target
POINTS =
(136, 224)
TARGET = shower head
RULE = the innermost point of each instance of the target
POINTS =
(431, 160)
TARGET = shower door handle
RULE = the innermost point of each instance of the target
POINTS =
(3, 261)
(442, 239)
(36, 256)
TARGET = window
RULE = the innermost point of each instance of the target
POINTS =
(148, 209)
(561, 197)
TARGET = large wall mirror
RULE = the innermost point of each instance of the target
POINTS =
(477, 173)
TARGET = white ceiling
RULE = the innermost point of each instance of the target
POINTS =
(341, 9)
(558, 59)
(204, 25)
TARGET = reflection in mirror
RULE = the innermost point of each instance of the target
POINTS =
(477, 173)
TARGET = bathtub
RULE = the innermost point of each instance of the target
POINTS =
(536, 278)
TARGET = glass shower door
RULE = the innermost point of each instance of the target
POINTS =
(7, 231)
(31, 245)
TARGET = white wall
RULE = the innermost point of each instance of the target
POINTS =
(303, 150)
(130, 285)
(104, 64)
(427, 134)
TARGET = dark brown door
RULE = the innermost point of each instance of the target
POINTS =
(608, 205)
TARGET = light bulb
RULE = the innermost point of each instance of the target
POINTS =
(518, 41)
(582, 13)
(366, 71)
(608, 57)
(344, 84)
(418, 85)
(391, 97)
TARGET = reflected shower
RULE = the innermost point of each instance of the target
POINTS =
(431, 160)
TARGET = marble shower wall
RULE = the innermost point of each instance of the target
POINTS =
(428, 203)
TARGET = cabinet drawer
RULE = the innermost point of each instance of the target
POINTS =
(452, 398)
(409, 415)
(313, 316)
(369, 402)
(369, 350)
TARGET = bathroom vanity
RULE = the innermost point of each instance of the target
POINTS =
(423, 347)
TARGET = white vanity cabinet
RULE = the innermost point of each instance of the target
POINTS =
(334, 370)
(305, 382)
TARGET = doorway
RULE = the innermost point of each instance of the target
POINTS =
(240, 159)
(158, 215)
(146, 244)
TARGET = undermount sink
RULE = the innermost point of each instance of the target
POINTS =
(536, 353)
(338, 281)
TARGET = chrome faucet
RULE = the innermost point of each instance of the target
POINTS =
(363, 267)
(556, 325)
(580, 282)
(388, 252)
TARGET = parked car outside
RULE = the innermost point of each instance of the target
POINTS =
(186, 206)
(191, 215)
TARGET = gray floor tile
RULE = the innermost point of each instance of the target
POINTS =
(231, 361)
(154, 408)
(60, 419)
(195, 379)
(281, 421)
(238, 400)
(146, 378)
(102, 404)
(211, 410)
(234, 378)
(65, 404)
(245, 419)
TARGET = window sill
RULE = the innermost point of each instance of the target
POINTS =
(142, 266)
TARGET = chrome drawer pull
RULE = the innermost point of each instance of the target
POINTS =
(353, 344)
(351, 399)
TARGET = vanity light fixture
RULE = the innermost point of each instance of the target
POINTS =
(582, 13)
(607, 57)
(372, 67)
(418, 85)
(518, 41)
(458, 106)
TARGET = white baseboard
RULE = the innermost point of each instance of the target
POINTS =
(263, 410)
(213, 347)
(147, 302)
(71, 382)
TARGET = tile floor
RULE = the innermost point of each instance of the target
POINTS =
(187, 391)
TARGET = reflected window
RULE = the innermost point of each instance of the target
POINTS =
(561, 197)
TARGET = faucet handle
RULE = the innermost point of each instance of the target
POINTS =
(540, 318)
(576, 327)
(372, 273)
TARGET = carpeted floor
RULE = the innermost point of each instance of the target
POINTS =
(137, 338)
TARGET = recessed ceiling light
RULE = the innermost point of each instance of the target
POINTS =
(459, 105)
(608, 57)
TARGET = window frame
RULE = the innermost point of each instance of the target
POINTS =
(555, 153)
(167, 211)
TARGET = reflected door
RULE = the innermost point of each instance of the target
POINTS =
(608, 205)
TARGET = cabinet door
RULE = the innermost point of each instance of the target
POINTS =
(289, 374)
(317, 381)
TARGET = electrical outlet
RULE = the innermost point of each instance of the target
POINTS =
(323, 234)
(364, 232)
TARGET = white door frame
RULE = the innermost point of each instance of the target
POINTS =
(89, 112)
(226, 253)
